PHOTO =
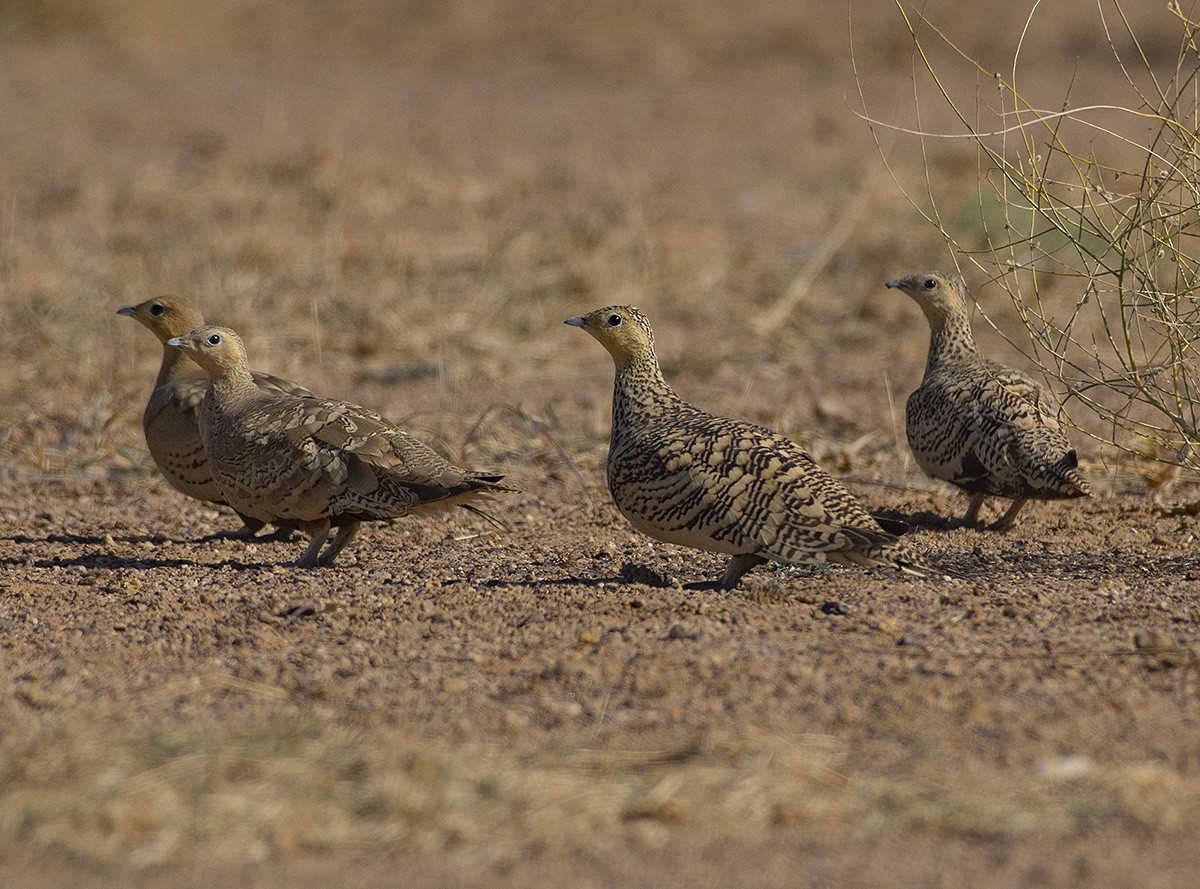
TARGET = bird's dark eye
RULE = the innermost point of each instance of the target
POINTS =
(157, 309)
(614, 320)
(931, 283)
(213, 339)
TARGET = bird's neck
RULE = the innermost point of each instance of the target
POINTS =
(174, 362)
(951, 340)
(232, 385)
(638, 388)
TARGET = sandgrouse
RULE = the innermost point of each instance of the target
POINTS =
(314, 463)
(982, 426)
(169, 421)
(687, 477)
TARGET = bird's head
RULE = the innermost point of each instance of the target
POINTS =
(216, 349)
(165, 316)
(936, 293)
(623, 330)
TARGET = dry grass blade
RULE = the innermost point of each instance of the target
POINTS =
(1088, 217)
(538, 428)
(773, 319)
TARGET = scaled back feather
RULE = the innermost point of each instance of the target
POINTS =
(314, 463)
(687, 477)
(987, 428)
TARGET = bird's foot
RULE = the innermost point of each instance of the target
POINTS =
(249, 534)
(279, 535)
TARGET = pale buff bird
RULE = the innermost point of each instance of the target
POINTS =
(314, 463)
(687, 477)
(169, 421)
(982, 426)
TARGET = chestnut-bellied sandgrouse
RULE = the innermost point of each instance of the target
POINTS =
(977, 424)
(169, 421)
(687, 477)
(311, 463)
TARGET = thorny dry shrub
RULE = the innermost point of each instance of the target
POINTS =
(1086, 214)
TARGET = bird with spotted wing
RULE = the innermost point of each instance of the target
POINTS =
(987, 428)
(169, 421)
(687, 477)
(314, 464)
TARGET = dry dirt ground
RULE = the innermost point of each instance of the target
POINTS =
(398, 204)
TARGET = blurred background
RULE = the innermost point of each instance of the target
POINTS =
(400, 201)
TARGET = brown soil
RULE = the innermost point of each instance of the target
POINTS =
(400, 208)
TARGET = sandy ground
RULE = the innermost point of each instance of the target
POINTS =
(400, 208)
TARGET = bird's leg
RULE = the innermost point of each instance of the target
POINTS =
(345, 532)
(738, 566)
(972, 514)
(319, 531)
(1006, 521)
(249, 528)
(279, 535)
(249, 532)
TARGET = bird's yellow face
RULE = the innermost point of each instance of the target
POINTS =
(216, 349)
(623, 330)
(164, 316)
(937, 294)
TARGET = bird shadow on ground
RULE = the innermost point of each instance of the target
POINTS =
(898, 522)
(108, 560)
(1083, 565)
(105, 558)
(617, 580)
(500, 583)
(93, 539)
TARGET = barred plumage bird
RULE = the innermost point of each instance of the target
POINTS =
(311, 463)
(982, 426)
(169, 421)
(687, 477)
